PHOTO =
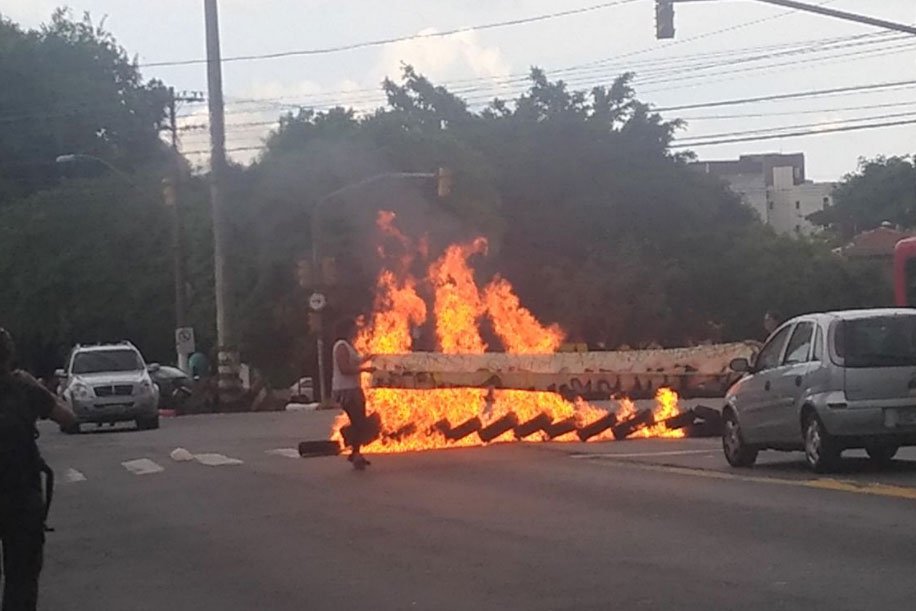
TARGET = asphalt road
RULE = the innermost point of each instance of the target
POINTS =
(635, 525)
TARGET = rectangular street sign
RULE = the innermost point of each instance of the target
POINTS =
(184, 340)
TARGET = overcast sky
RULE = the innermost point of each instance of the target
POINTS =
(588, 49)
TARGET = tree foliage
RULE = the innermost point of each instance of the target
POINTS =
(881, 190)
(70, 88)
(600, 227)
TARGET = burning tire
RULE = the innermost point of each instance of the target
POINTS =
(503, 425)
(632, 424)
(464, 429)
(560, 428)
(541, 422)
(597, 427)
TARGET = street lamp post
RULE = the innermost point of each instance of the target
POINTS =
(171, 201)
(444, 178)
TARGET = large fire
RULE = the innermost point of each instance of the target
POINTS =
(460, 417)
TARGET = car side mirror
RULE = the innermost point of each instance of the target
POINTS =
(59, 373)
(152, 367)
(740, 365)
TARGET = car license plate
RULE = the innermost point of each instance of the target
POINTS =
(900, 417)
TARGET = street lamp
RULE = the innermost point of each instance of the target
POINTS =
(171, 201)
(444, 180)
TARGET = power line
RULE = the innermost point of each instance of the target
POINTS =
(790, 96)
(797, 134)
(786, 113)
(668, 75)
(388, 41)
(771, 130)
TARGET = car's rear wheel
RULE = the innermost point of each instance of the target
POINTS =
(149, 423)
(822, 452)
(737, 452)
(882, 454)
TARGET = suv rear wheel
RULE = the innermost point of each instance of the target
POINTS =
(737, 452)
(821, 450)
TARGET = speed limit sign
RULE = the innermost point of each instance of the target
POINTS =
(317, 301)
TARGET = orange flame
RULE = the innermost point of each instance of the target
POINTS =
(427, 419)
(458, 304)
(516, 326)
(397, 309)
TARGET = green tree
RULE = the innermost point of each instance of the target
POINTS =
(881, 190)
(68, 87)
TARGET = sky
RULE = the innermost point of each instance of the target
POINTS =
(723, 50)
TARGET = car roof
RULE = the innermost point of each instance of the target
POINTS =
(171, 372)
(99, 347)
(859, 314)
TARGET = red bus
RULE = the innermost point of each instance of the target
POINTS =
(905, 273)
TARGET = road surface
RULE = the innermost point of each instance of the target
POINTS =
(636, 525)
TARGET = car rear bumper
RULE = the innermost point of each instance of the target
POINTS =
(863, 425)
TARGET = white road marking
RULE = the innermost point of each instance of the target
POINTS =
(287, 452)
(142, 466)
(645, 454)
(72, 476)
(216, 460)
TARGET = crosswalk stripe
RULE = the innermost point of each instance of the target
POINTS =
(72, 476)
(142, 466)
(216, 460)
(286, 452)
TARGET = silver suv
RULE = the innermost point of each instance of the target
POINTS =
(824, 383)
(109, 383)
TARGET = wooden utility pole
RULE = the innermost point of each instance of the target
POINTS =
(227, 349)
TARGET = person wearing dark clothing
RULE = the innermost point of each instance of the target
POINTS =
(23, 400)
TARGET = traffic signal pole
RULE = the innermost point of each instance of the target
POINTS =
(664, 11)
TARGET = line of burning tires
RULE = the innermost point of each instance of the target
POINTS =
(699, 421)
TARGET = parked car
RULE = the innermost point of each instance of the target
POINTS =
(824, 383)
(109, 383)
(174, 385)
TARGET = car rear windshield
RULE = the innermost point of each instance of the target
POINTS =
(99, 361)
(882, 341)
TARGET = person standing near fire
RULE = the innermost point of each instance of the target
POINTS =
(346, 389)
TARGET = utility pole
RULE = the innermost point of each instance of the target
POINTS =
(227, 349)
(664, 11)
(170, 187)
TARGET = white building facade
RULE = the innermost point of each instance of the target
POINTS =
(774, 186)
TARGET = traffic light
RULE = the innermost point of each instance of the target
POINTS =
(445, 178)
(664, 19)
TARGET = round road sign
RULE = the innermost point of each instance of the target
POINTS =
(317, 301)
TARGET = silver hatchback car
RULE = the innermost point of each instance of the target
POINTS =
(824, 383)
